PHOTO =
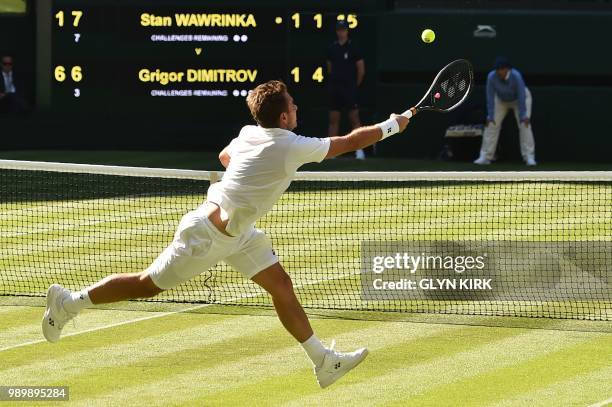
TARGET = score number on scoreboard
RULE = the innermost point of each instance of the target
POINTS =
(76, 72)
(174, 52)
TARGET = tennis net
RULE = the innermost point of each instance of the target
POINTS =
(534, 244)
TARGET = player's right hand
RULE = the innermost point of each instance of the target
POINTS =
(401, 120)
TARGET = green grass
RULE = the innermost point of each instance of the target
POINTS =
(219, 355)
(12, 6)
(191, 359)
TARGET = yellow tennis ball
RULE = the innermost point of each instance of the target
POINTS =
(428, 36)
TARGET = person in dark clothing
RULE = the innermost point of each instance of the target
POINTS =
(11, 100)
(346, 70)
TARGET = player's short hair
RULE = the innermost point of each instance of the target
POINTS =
(266, 102)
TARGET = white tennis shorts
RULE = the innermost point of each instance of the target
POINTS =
(198, 245)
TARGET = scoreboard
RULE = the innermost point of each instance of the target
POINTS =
(185, 56)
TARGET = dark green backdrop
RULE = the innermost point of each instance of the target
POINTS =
(564, 56)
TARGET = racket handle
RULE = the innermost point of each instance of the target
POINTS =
(409, 113)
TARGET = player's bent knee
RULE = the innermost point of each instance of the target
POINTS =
(286, 282)
(149, 292)
(146, 286)
(276, 282)
(284, 288)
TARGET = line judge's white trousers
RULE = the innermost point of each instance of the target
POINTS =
(491, 133)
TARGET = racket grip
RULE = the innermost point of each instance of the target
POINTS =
(409, 113)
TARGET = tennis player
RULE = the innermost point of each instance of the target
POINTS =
(261, 163)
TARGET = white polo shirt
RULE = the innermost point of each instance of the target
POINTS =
(262, 165)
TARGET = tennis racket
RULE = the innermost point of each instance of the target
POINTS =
(449, 89)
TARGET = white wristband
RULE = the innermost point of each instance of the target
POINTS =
(389, 127)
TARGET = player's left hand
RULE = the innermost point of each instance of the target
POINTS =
(526, 122)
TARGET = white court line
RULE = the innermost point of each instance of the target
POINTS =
(157, 315)
(163, 314)
(602, 403)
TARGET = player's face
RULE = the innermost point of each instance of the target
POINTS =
(291, 113)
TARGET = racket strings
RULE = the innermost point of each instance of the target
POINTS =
(453, 87)
(450, 87)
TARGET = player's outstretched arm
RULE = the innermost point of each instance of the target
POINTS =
(366, 136)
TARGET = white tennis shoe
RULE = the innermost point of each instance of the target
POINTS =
(55, 316)
(337, 364)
